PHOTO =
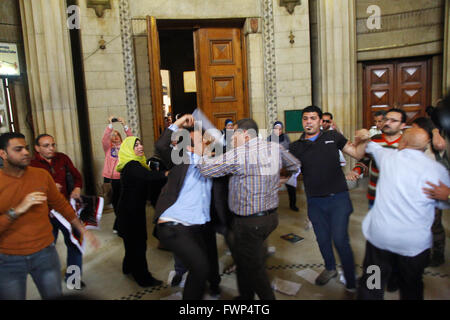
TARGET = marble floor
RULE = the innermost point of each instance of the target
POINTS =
(104, 279)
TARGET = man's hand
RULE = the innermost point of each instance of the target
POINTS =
(76, 194)
(185, 121)
(95, 243)
(30, 200)
(59, 187)
(362, 136)
(352, 176)
(438, 192)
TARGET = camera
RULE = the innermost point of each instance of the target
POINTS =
(114, 120)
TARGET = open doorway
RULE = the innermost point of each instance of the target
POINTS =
(177, 58)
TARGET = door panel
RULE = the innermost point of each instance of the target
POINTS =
(379, 90)
(404, 84)
(155, 77)
(411, 88)
(220, 66)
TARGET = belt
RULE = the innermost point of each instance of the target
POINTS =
(258, 214)
(169, 224)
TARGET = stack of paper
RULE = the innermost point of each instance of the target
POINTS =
(286, 287)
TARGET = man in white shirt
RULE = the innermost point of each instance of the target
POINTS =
(398, 227)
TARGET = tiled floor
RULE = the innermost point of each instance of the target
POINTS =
(104, 279)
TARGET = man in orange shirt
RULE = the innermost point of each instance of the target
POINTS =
(27, 194)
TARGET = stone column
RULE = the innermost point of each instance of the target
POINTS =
(129, 67)
(50, 74)
(446, 56)
(270, 71)
(337, 50)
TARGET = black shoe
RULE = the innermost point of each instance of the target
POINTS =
(176, 279)
(294, 208)
(436, 260)
(148, 282)
(215, 291)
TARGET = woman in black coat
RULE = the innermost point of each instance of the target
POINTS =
(136, 179)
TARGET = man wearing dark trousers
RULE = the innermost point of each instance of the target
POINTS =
(398, 226)
(183, 212)
(254, 165)
(58, 164)
(329, 204)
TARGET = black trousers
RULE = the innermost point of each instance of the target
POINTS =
(410, 272)
(135, 260)
(292, 193)
(115, 186)
(196, 247)
(249, 254)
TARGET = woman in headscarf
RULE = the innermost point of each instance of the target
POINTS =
(136, 179)
(111, 142)
(283, 139)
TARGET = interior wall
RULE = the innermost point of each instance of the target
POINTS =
(409, 28)
(104, 75)
(195, 9)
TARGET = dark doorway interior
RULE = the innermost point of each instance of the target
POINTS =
(177, 56)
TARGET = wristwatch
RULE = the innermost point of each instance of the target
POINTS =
(12, 214)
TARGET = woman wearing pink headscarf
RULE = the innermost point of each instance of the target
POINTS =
(111, 145)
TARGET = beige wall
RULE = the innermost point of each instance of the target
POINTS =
(195, 9)
(104, 74)
(408, 28)
(293, 61)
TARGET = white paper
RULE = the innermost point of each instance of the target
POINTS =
(293, 179)
(308, 274)
(286, 287)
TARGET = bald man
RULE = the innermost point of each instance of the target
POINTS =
(398, 227)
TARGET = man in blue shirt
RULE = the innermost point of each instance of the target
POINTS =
(183, 212)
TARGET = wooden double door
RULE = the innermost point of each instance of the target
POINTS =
(404, 84)
(221, 77)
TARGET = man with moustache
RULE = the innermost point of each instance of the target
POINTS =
(329, 204)
(58, 165)
(394, 123)
(27, 194)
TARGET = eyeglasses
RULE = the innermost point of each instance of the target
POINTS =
(391, 120)
(48, 145)
(327, 121)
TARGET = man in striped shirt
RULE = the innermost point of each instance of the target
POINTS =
(395, 122)
(254, 165)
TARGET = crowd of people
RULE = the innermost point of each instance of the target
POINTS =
(201, 186)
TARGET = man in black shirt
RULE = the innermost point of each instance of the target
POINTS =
(329, 204)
